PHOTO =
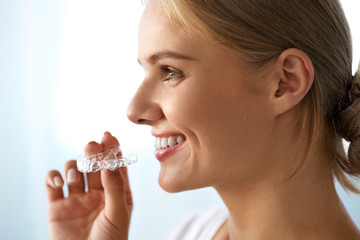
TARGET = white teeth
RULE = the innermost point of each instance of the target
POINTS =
(171, 141)
(168, 142)
(180, 139)
(164, 142)
(157, 143)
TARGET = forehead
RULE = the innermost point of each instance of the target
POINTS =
(158, 34)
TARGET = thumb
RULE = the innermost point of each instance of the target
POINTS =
(115, 196)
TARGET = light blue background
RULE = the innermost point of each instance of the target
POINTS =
(42, 55)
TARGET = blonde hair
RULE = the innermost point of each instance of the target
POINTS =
(260, 30)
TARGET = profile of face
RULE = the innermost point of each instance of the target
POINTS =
(201, 91)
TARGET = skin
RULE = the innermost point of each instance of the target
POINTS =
(101, 213)
(240, 139)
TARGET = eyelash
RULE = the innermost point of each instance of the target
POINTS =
(171, 74)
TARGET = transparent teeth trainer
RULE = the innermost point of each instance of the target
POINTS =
(108, 160)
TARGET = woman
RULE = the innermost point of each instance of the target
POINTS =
(252, 98)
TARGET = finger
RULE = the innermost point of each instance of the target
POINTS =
(93, 179)
(74, 178)
(109, 142)
(116, 185)
(115, 195)
(128, 195)
(54, 183)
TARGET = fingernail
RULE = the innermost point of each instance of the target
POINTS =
(71, 175)
(57, 181)
(107, 133)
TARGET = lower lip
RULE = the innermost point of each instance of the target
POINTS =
(163, 153)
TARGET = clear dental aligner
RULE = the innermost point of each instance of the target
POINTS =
(108, 160)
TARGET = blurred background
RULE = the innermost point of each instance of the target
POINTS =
(68, 70)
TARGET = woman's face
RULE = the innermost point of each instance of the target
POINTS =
(197, 89)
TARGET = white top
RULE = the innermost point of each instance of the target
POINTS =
(200, 226)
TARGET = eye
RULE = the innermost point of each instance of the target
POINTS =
(171, 73)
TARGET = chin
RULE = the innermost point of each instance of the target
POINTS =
(175, 184)
(171, 186)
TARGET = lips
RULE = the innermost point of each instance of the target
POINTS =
(167, 143)
(162, 153)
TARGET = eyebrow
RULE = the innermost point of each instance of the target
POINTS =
(168, 54)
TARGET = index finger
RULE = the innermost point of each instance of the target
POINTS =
(93, 179)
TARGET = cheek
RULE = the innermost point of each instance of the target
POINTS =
(195, 107)
(219, 118)
(223, 128)
(210, 114)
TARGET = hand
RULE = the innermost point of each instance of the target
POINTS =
(101, 213)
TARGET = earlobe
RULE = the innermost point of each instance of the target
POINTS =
(295, 75)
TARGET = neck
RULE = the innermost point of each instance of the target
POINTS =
(305, 207)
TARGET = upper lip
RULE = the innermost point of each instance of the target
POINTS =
(164, 134)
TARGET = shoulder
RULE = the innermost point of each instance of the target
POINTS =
(200, 225)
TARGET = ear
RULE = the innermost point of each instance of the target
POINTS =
(293, 78)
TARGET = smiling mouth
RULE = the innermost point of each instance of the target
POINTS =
(166, 142)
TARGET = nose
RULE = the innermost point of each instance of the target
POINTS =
(143, 108)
